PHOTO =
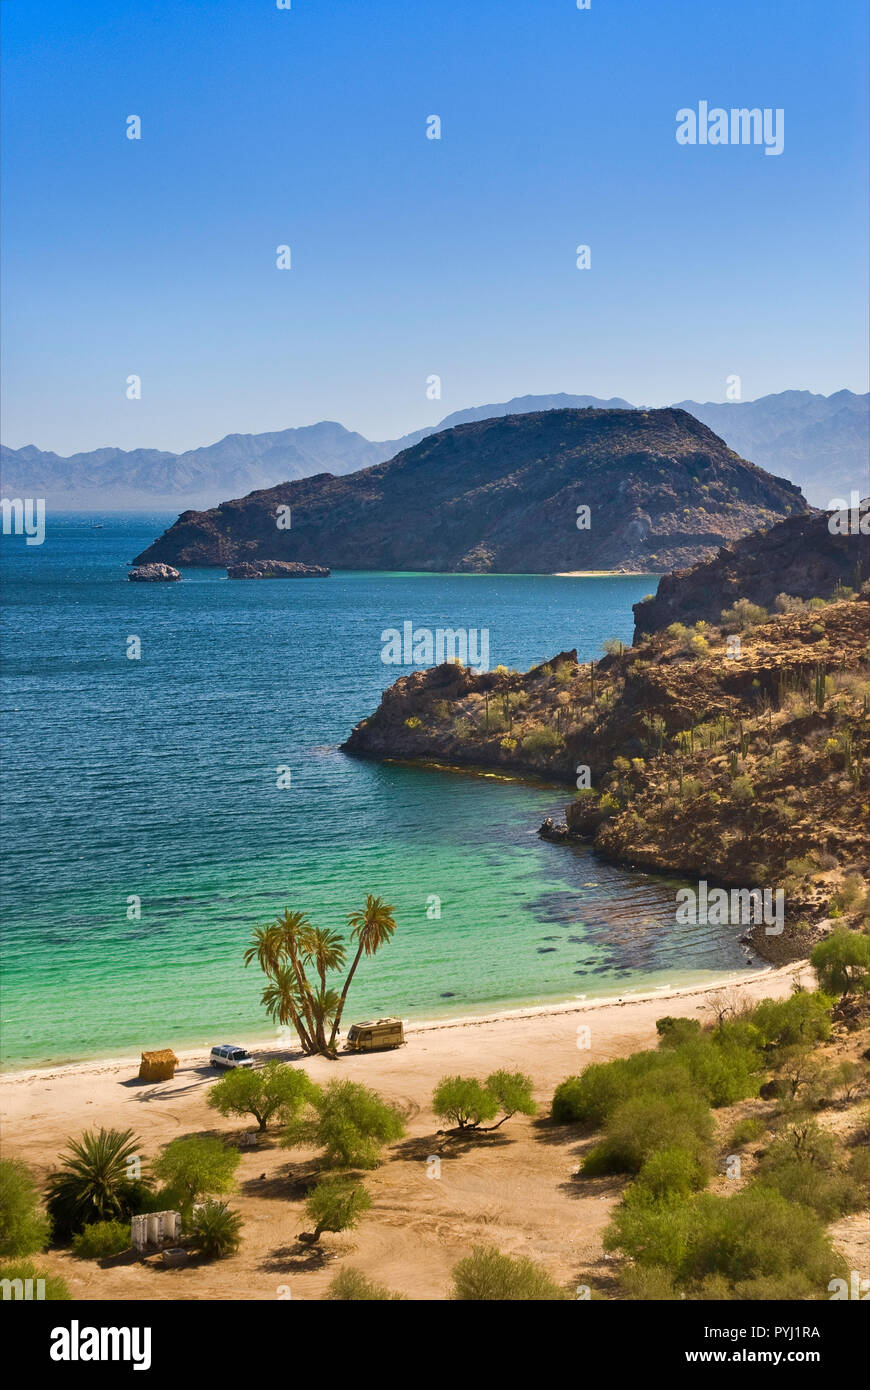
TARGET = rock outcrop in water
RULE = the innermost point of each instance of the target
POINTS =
(750, 769)
(153, 573)
(801, 556)
(276, 569)
(504, 495)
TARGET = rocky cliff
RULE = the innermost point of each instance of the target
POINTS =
(750, 769)
(806, 556)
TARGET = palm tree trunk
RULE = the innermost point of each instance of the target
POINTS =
(341, 1002)
(304, 992)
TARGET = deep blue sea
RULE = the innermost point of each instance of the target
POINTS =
(156, 778)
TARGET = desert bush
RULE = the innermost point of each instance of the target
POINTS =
(742, 789)
(216, 1229)
(351, 1124)
(746, 1131)
(273, 1090)
(54, 1289)
(673, 1031)
(669, 1172)
(754, 1244)
(842, 962)
(643, 1124)
(487, 1275)
(742, 615)
(196, 1167)
(336, 1204)
(102, 1240)
(352, 1286)
(542, 741)
(802, 1019)
(24, 1226)
(829, 1194)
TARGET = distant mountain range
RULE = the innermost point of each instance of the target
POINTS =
(506, 494)
(821, 443)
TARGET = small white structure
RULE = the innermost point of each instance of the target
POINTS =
(155, 1229)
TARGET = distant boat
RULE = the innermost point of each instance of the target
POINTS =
(97, 525)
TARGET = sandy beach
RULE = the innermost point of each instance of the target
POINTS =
(513, 1188)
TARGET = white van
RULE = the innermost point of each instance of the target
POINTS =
(230, 1055)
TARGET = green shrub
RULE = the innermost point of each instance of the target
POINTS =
(721, 1072)
(273, 1090)
(54, 1291)
(829, 1194)
(336, 1204)
(647, 1122)
(351, 1125)
(746, 1131)
(542, 742)
(742, 789)
(754, 1244)
(351, 1285)
(842, 962)
(195, 1167)
(464, 1101)
(671, 1172)
(102, 1240)
(673, 1031)
(488, 1276)
(802, 1019)
(24, 1226)
(216, 1230)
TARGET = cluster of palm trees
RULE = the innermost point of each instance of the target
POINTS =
(287, 950)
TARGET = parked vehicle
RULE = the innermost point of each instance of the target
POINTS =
(374, 1035)
(230, 1055)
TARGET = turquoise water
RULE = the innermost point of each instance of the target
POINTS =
(157, 777)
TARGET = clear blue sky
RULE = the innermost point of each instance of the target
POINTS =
(413, 256)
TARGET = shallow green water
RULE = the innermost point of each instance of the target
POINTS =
(157, 778)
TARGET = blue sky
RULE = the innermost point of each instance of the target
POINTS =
(413, 257)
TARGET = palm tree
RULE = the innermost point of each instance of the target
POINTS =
(95, 1180)
(327, 950)
(287, 998)
(371, 928)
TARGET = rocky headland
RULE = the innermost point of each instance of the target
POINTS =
(547, 492)
(734, 752)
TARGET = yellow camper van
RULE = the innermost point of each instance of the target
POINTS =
(375, 1034)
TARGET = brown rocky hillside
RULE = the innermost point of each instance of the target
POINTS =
(749, 769)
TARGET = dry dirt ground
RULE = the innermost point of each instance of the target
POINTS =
(514, 1188)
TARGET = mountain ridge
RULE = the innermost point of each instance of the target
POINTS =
(821, 443)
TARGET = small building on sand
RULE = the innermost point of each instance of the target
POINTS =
(158, 1066)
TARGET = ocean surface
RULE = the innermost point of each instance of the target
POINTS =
(157, 779)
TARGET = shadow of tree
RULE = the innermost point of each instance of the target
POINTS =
(296, 1259)
(450, 1144)
(291, 1184)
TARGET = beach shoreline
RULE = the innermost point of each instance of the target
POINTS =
(517, 1013)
